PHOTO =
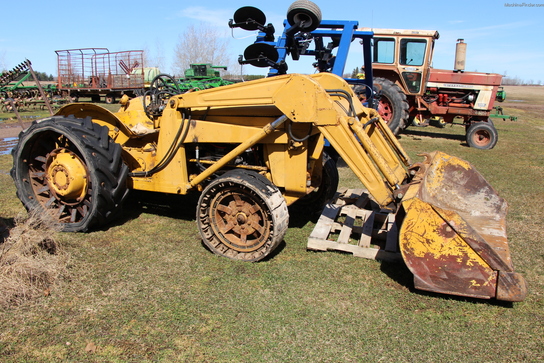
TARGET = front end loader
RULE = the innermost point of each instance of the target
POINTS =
(252, 149)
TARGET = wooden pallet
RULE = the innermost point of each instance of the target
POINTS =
(353, 223)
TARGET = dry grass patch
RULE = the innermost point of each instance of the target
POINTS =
(31, 260)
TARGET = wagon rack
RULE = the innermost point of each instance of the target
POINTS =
(96, 72)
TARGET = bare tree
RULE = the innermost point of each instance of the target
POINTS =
(155, 58)
(3, 61)
(202, 44)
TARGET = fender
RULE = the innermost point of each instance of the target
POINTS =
(119, 131)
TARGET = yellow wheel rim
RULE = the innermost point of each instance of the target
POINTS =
(67, 175)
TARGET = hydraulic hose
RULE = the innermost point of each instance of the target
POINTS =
(346, 95)
(169, 155)
(157, 94)
(290, 133)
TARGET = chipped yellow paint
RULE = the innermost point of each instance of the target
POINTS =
(438, 173)
(424, 234)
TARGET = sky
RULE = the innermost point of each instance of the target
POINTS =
(502, 37)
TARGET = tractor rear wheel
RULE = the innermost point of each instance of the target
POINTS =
(72, 169)
(392, 104)
(242, 215)
(482, 135)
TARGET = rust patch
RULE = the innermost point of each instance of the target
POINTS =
(451, 275)
(446, 231)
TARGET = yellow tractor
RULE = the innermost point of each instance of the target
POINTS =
(254, 148)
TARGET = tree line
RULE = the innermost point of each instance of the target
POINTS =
(42, 76)
(516, 81)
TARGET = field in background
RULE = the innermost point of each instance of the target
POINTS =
(145, 289)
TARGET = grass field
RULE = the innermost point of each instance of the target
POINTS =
(146, 290)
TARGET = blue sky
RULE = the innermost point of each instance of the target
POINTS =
(501, 39)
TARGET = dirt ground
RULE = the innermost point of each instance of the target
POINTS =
(11, 130)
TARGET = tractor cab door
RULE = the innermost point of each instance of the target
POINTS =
(411, 63)
(408, 57)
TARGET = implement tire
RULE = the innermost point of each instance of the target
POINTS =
(392, 104)
(72, 169)
(305, 14)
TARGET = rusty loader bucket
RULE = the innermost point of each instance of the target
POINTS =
(451, 223)
(453, 234)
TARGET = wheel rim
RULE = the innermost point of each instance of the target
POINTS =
(417, 121)
(239, 220)
(59, 179)
(481, 138)
(66, 175)
(385, 109)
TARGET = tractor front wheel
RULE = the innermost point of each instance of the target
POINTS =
(71, 169)
(242, 215)
(482, 135)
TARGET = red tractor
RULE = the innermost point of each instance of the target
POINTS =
(410, 91)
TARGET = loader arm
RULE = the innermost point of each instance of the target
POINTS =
(322, 100)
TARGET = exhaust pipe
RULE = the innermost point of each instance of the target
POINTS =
(460, 56)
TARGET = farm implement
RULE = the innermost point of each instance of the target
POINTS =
(16, 95)
(397, 77)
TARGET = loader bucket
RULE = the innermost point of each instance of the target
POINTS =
(453, 236)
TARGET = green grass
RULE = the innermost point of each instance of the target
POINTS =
(26, 115)
(146, 290)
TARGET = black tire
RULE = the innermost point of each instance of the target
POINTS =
(392, 104)
(313, 203)
(110, 99)
(482, 135)
(438, 121)
(242, 215)
(305, 14)
(72, 169)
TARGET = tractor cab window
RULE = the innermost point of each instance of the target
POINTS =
(384, 50)
(412, 52)
(200, 70)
